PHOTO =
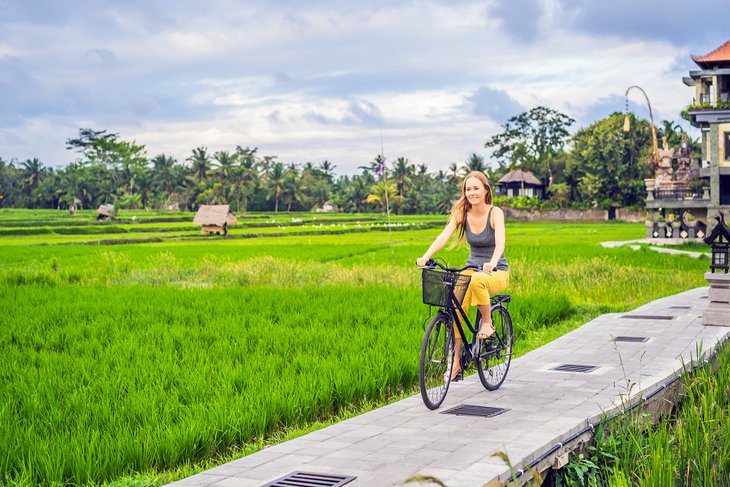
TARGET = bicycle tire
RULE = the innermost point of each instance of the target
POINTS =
(495, 353)
(437, 360)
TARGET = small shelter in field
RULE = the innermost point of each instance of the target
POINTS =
(106, 212)
(520, 183)
(215, 218)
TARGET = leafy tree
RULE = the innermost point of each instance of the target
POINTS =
(97, 146)
(611, 164)
(532, 140)
(561, 194)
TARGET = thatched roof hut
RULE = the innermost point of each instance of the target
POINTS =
(215, 218)
(105, 211)
(520, 183)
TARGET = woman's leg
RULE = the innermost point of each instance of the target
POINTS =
(485, 285)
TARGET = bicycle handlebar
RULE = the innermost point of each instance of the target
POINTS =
(430, 264)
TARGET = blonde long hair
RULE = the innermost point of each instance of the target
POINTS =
(462, 205)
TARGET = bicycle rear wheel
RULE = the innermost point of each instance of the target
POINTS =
(495, 353)
(437, 357)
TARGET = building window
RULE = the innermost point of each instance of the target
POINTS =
(726, 139)
(725, 190)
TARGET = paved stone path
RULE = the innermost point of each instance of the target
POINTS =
(387, 446)
(661, 250)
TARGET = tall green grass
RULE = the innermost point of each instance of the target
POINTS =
(97, 384)
(689, 447)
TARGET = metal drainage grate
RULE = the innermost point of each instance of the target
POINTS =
(631, 339)
(648, 317)
(680, 307)
(704, 297)
(480, 411)
(308, 479)
(584, 369)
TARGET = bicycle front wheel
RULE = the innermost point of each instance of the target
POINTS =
(495, 353)
(437, 360)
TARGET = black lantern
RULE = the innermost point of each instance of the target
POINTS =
(720, 240)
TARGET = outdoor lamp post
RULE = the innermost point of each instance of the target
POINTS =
(719, 239)
(718, 309)
(627, 121)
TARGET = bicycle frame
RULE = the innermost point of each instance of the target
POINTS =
(454, 308)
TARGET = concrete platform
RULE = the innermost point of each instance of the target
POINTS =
(546, 409)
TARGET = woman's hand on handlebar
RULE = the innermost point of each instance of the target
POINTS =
(488, 267)
(422, 262)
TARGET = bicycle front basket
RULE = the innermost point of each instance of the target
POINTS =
(438, 285)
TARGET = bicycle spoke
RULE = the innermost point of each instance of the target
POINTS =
(493, 363)
(436, 361)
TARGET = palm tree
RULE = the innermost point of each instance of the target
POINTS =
(248, 176)
(200, 164)
(402, 172)
(73, 187)
(326, 167)
(357, 192)
(384, 194)
(163, 174)
(225, 161)
(276, 180)
(453, 173)
(474, 163)
(290, 186)
(32, 171)
(373, 168)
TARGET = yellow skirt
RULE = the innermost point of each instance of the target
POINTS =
(483, 286)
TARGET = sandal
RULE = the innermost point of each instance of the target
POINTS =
(483, 335)
(455, 377)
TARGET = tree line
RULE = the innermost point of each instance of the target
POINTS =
(598, 166)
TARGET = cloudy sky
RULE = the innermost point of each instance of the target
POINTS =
(325, 79)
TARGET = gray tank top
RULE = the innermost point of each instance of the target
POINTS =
(482, 246)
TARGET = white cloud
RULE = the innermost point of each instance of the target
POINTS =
(324, 81)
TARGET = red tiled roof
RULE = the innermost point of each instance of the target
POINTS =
(722, 53)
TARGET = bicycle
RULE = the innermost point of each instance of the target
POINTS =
(446, 288)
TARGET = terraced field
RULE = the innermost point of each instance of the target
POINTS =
(168, 351)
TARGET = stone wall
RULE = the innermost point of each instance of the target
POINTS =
(631, 216)
(573, 215)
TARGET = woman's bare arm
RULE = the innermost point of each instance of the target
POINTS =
(499, 239)
(439, 242)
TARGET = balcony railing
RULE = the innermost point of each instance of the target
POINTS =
(706, 98)
(678, 194)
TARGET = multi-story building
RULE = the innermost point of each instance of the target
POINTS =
(693, 192)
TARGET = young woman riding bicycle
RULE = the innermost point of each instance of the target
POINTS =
(475, 218)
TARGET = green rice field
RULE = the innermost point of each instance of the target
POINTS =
(142, 351)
